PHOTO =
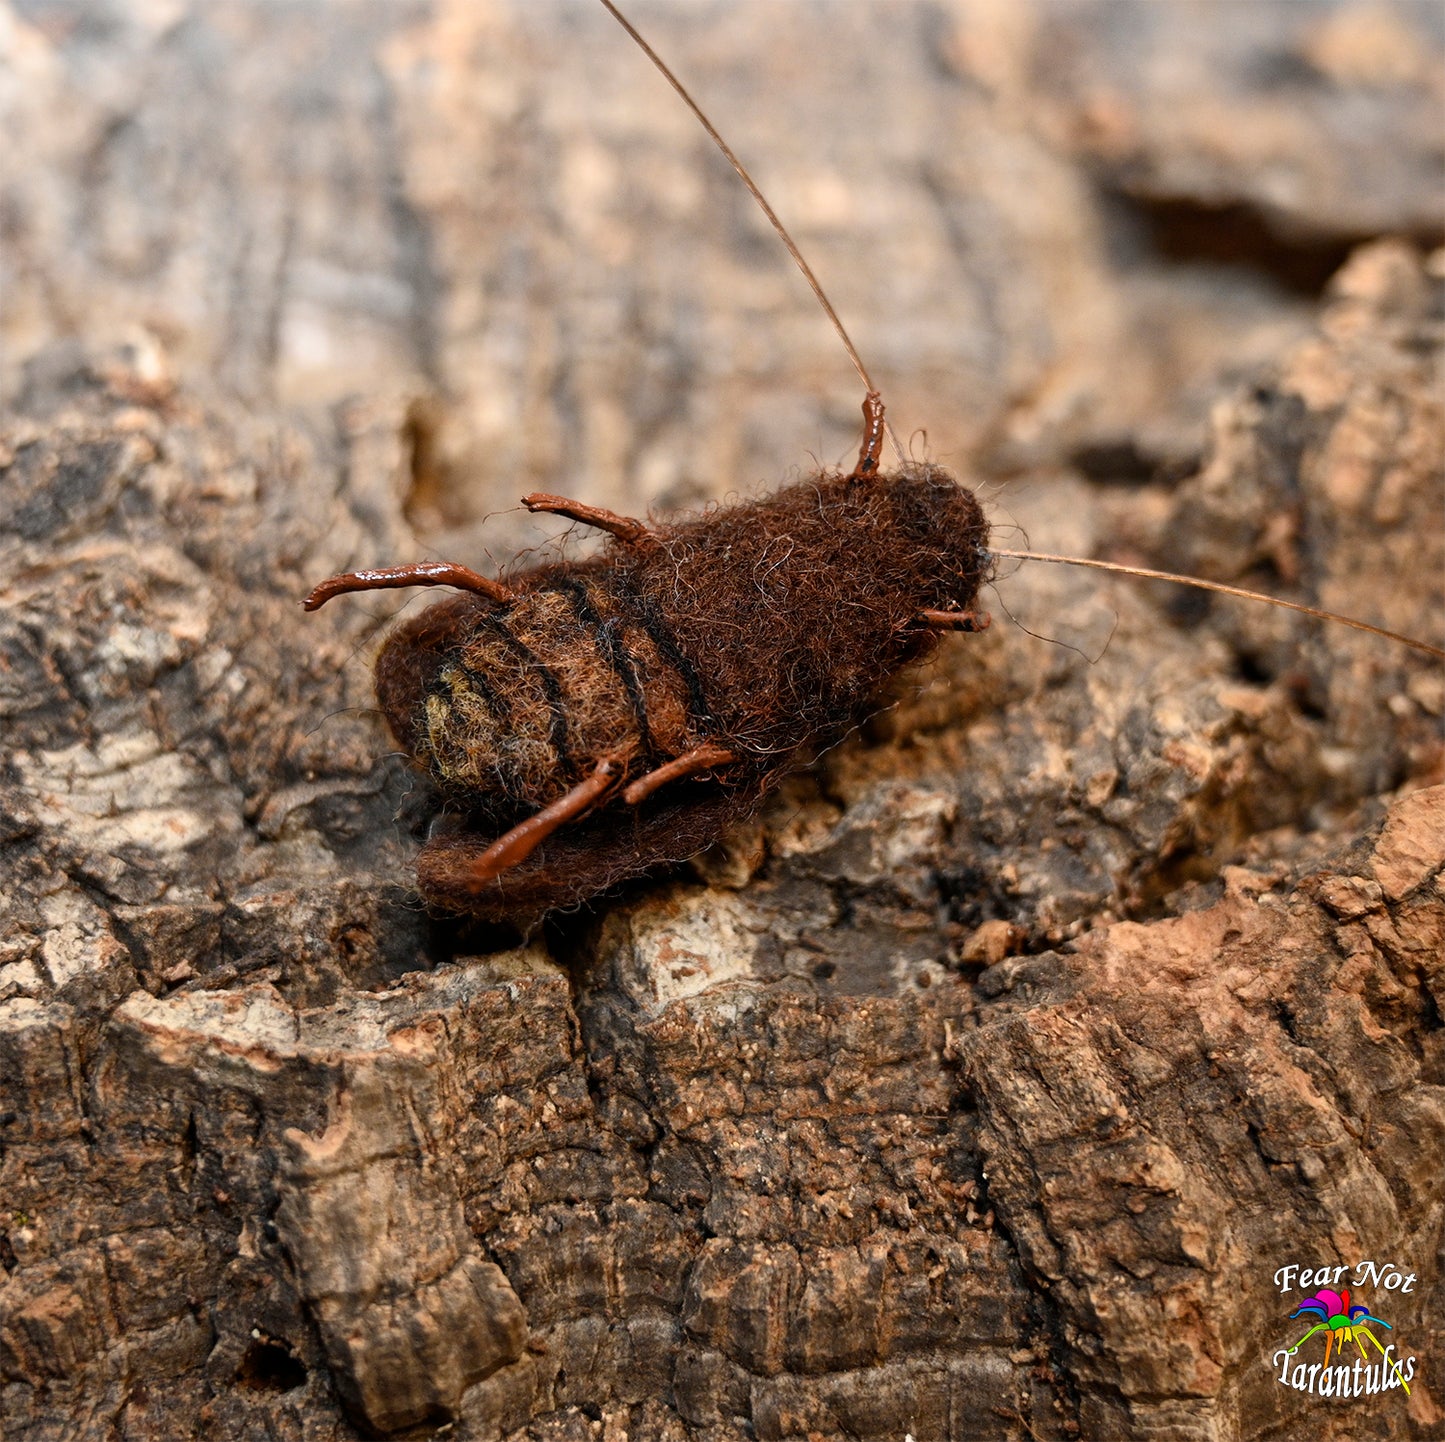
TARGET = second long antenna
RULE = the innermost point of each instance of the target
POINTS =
(762, 200)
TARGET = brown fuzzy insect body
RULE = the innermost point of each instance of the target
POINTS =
(753, 631)
(585, 723)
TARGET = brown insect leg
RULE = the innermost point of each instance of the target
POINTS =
(701, 758)
(872, 435)
(956, 620)
(524, 838)
(623, 527)
(422, 573)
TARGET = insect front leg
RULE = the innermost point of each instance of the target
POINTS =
(973, 621)
(422, 573)
(623, 527)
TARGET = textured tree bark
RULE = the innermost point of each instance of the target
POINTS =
(986, 1085)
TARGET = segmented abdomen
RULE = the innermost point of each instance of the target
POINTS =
(526, 699)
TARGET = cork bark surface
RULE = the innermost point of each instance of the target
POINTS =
(983, 1085)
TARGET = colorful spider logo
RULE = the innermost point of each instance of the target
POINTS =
(1342, 1323)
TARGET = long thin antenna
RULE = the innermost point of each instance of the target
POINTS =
(1223, 591)
(762, 201)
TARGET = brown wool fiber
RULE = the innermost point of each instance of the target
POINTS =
(764, 627)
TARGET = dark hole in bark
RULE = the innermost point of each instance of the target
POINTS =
(1182, 230)
(1188, 608)
(270, 1366)
(1118, 460)
(1253, 669)
(420, 434)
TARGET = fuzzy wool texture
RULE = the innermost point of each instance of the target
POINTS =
(767, 627)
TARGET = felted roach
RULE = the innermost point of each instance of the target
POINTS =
(589, 722)
(586, 723)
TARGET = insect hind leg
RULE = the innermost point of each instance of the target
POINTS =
(421, 573)
(515, 846)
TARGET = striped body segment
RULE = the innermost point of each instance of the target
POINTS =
(534, 696)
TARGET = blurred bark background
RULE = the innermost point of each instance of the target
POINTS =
(981, 1087)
